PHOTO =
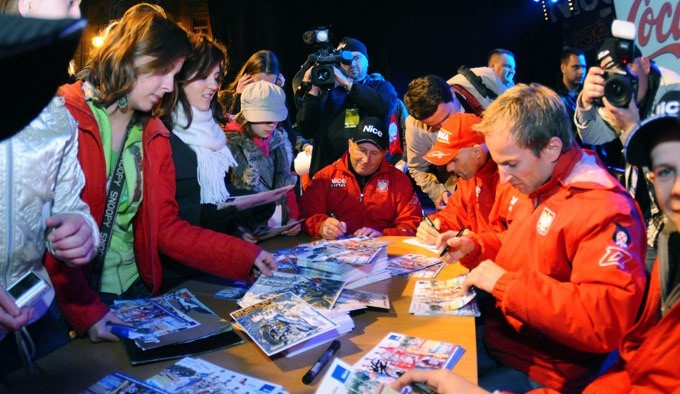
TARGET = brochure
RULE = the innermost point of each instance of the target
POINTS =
(168, 319)
(397, 353)
(195, 375)
(253, 200)
(281, 322)
(118, 382)
(318, 292)
(443, 297)
(410, 263)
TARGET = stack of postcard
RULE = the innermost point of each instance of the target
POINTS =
(357, 261)
(389, 359)
(195, 375)
(281, 322)
(443, 297)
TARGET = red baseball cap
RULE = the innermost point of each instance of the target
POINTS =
(455, 134)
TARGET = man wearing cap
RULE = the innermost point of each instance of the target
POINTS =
(609, 126)
(361, 194)
(463, 152)
(430, 102)
(329, 116)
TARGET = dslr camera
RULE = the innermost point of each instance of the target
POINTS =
(618, 52)
(324, 58)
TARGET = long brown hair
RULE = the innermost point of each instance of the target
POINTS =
(143, 31)
(263, 61)
(205, 55)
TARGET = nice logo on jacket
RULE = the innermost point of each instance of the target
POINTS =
(338, 182)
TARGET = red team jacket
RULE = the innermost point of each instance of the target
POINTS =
(575, 276)
(157, 227)
(387, 203)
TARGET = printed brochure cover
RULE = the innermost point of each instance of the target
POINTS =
(410, 263)
(195, 375)
(397, 353)
(443, 297)
(168, 319)
(281, 322)
(318, 292)
(118, 383)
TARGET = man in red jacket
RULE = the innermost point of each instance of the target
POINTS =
(463, 152)
(361, 193)
(649, 351)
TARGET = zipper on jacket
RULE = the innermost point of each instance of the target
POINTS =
(10, 208)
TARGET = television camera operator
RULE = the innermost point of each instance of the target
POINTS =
(334, 94)
(615, 97)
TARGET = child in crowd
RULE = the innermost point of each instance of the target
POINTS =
(262, 149)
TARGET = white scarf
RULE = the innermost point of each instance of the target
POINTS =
(206, 138)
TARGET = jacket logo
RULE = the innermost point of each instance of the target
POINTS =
(545, 221)
(338, 182)
(383, 185)
(513, 201)
(615, 256)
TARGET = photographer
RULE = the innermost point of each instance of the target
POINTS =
(329, 115)
(600, 123)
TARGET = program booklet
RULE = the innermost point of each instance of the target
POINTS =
(172, 318)
(410, 263)
(195, 375)
(253, 200)
(389, 359)
(118, 383)
(443, 297)
(281, 322)
(320, 293)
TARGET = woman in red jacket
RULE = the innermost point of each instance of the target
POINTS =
(127, 160)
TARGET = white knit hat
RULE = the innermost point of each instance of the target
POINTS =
(263, 101)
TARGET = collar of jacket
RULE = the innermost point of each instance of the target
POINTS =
(75, 102)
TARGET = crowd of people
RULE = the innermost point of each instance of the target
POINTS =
(120, 176)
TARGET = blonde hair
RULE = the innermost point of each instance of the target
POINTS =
(533, 114)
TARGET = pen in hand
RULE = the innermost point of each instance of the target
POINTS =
(330, 213)
(446, 248)
(321, 362)
(427, 219)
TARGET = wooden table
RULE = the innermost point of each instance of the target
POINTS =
(79, 364)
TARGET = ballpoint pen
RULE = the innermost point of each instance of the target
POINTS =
(330, 213)
(446, 248)
(427, 219)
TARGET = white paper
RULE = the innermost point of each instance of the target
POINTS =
(253, 200)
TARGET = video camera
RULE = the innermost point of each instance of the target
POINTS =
(324, 58)
(619, 51)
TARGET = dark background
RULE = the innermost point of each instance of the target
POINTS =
(427, 37)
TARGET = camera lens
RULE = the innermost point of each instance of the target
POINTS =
(619, 91)
(323, 75)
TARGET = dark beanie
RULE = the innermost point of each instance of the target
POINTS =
(353, 45)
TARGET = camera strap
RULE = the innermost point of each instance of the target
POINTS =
(114, 191)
